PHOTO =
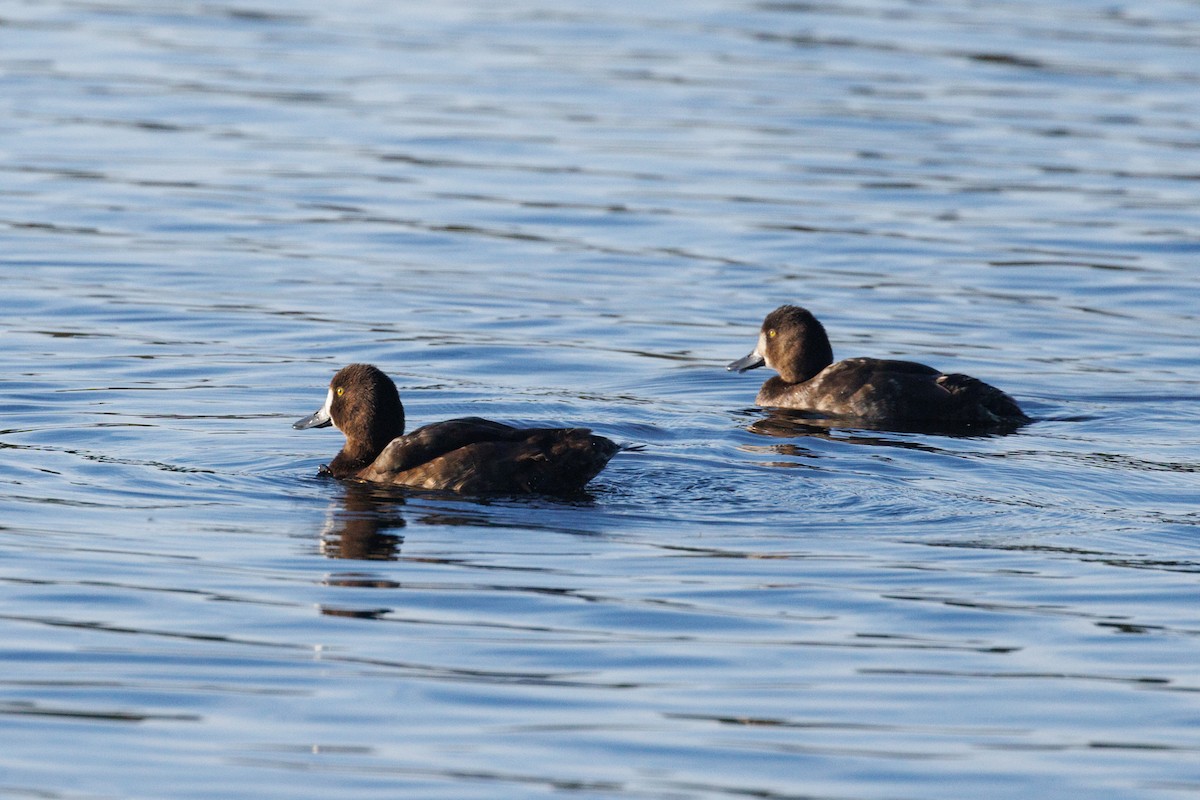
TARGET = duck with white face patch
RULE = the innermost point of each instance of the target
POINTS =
(867, 392)
(470, 454)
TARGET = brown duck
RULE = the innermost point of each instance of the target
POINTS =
(871, 392)
(469, 455)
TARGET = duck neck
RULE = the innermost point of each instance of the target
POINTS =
(816, 355)
(351, 459)
(361, 451)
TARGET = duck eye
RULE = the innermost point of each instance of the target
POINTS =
(770, 335)
(340, 390)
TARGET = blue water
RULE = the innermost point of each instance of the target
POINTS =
(561, 214)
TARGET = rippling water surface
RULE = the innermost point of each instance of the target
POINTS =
(565, 213)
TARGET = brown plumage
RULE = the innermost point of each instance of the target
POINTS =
(469, 455)
(872, 392)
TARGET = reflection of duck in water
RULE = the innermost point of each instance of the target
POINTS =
(867, 392)
(464, 455)
(785, 424)
(362, 524)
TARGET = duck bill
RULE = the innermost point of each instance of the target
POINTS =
(749, 362)
(322, 418)
(318, 419)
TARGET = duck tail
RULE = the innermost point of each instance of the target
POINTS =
(992, 404)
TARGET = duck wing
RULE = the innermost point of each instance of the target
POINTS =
(476, 455)
(860, 388)
(433, 441)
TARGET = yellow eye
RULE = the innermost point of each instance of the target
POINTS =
(339, 391)
(770, 335)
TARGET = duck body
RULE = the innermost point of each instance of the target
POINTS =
(469, 455)
(873, 392)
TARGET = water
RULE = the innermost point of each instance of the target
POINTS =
(558, 214)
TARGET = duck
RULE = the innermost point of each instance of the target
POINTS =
(469, 455)
(867, 392)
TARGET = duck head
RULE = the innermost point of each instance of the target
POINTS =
(363, 404)
(792, 342)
